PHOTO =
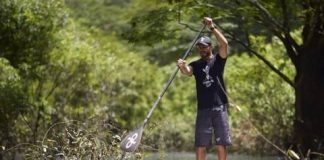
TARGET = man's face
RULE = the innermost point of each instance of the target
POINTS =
(204, 50)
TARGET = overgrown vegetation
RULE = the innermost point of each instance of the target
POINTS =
(75, 75)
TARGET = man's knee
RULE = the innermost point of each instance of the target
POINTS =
(201, 149)
(221, 149)
(200, 153)
(221, 152)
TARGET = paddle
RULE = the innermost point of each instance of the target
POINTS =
(132, 140)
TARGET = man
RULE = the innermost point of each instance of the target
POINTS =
(212, 118)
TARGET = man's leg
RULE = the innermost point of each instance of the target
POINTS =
(200, 153)
(221, 152)
(222, 132)
(203, 133)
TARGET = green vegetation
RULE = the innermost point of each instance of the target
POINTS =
(75, 75)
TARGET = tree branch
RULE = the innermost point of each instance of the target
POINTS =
(186, 25)
(55, 85)
(291, 45)
(292, 52)
(267, 15)
(259, 56)
(285, 20)
(313, 23)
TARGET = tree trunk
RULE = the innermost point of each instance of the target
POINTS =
(309, 122)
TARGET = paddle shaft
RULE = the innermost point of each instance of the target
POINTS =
(171, 79)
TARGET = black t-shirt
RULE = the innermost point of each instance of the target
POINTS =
(209, 77)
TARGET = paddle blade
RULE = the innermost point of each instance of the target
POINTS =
(132, 140)
(292, 154)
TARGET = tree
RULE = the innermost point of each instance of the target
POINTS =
(54, 68)
(241, 19)
(13, 101)
(27, 31)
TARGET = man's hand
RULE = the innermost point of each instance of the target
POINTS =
(209, 22)
(223, 44)
(181, 63)
(184, 68)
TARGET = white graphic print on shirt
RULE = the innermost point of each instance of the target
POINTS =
(208, 79)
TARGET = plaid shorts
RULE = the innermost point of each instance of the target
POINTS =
(212, 122)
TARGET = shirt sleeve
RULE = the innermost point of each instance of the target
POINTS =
(192, 65)
(222, 60)
(220, 63)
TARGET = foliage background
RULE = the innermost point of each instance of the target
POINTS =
(83, 72)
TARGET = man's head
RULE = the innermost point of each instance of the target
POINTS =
(204, 46)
